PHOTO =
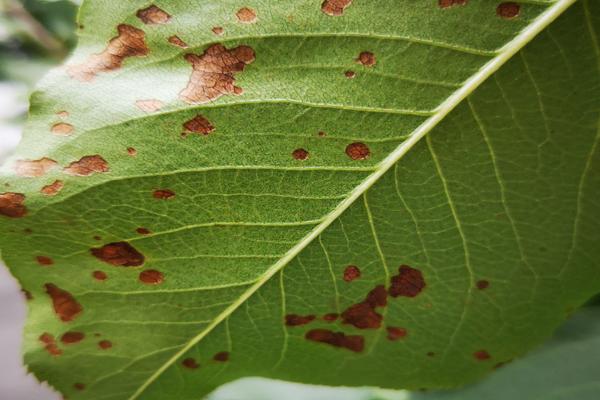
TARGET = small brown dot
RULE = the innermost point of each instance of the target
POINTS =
(322, 134)
(72, 337)
(79, 386)
(351, 273)
(431, 354)
(350, 74)
(367, 59)
(331, 317)
(482, 284)
(45, 261)
(131, 151)
(100, 275)
(176, 41)
(481, 355)
(218, 30)
(223, 356)
(300, 154)
(151, 277)
(508, 10)
(163, 194)
(396, 333)
(335, 8)
(450, 3)
(105, 344)
(143, 231)
(358, 151)
(190, 363)
(62, 129)
(238, 91)
(97, 237)
(246, 15)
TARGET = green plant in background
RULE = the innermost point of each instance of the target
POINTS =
(400, 194)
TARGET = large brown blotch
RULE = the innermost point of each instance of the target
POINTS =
(355, 343)
(213, 73)
(87, 165)
(34, 168)
(408, 283)
(363, 315)
(65, 305)
(120, 254)
(11, 205)
(129, 43)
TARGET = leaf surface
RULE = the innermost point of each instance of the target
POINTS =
(180, 209)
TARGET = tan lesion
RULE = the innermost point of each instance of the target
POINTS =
(87, 165)
(34, 168)
(153, 15)
(335, 8)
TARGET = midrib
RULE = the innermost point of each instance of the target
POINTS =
(504, 55)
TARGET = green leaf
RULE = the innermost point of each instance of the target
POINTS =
(458, 174)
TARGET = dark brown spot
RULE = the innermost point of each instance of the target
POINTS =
(190, 363)
(97, 237)
(300, 154)
(508, 10)
(331, 317)
(218, 30)
(298, 320)
(132, 151)
(163, 194)
(45, 261)
(335, 8)
(199, 125)
(394, 333)
(222, 356)
(129, 43)
(143, 231)
(79, 386)
(176, 41)
(87, 165)
(53, 188)
(65, 305)
(105, 344)
(246, 15)
(350, 74)
(62, 129)
(11, 205)
(482, 284)
(358, 151)
(34, 168)
(377, 297)
(354, 343)
(100, 275)
(213, 72)
(363, 315)
(322, 134)
(153, 16)
(367, 59)
(72, 337)
(351, 273)
(431, 354)
(450, 3)
(150, 105)
(481, 355)
(50, 344)
(408, 283)
(120, 254)
(151, 277)
(27, 294)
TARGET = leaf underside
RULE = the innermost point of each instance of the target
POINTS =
(194, 200)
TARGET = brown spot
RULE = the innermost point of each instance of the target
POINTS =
(62, 129)
(350, 74)
(132, 151)
(199, 125)
(87, 165)
(322, 134)
(218, 30)
(11, 205)
(65, 305)
(351, 273)
(482, 284)
(337, 339)
(450, 3)
(105, 344)
(223, 356)
(149, 106)
(120, 254)
(213, 72)
(176, 41)
(367, 59)
(358, 151)
(238, 91)
(408, 283)
(97, 237)
(335, 8)
(395, 333)
(300, 154)
(79, 386)
(62, 114)
(100, 275)
(363, 315)
(153, 16)
(50, 344)
(27, 294)
(53, 188)
(151, 277)
(331, 317)
(163, 194)
(143, 231)
(430, 354)
(45, 261)
(298, 320)
(481, 355)
(508, 10)
(72, 337)
(190, 363)
(129, 43)
(246, 15)
(34, 168)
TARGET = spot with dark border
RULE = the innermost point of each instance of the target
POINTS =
(300, 154)
(153, 15)
(408, 283)
(151, 277)
(358, 151)
(222, 356)
(352, 272)
(199, 124)
(65, 305)
(508, 10)
(120, 254)
(11, 205)
(72, 337)
(190, 363)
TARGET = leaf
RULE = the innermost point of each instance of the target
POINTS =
(178, 207)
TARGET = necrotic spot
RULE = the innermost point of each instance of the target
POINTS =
(72, 337)
(153, 16)
(481, 355)
(163, 194)
(176, 41)
(11, 205)
(394, 333)
(482, 284)
(408, 283)
(105, 344)
(353, 343)
(62, 129)
(190, 363)
(87, 165)
(99, 275)
(450, 3)
(65, 305)
(363, 315)
(199, 125)
(350, 74)
(367, 59)
(351, 273)
(298, 320)
(358, 151)
(79, 386)
(246, 15)
(300, 154)
(335, 8)
(218, 30)
(50, 344)
(143, 231)
(331, 317)
(508, 10)
(151, 277)
(222, 356)
(120, 254)
(45, 261)
(34, 168)
(53, 188)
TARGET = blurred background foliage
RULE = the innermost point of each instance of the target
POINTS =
(36, 35)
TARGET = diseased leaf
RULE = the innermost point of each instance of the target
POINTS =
(347, 193)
